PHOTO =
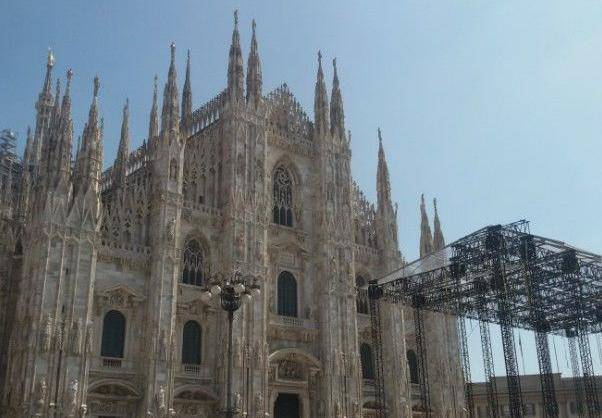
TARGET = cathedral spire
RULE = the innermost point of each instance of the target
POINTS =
(383, 186)
(438, 240)
(426, 239)
(28, 153)
(170, 115)
(47, 88)
(61, 172)
(120, 166)
(235, 70)
(320, 101)
(254, 80)
(186, 123)
(337, 116)
(153, 124)
(89, 161)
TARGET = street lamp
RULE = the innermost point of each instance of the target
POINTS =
(232, 290)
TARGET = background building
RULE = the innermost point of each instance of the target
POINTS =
(568, 406)
(103, 272)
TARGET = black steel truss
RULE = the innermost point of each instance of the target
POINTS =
(589, 380)
(420, 336)
(374, 296)
(505, 275)
(465, 361)
(489, 369)
(576, 374)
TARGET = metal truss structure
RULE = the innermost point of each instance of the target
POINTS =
(507, 276)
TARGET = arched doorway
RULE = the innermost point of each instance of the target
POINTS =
(287, 406)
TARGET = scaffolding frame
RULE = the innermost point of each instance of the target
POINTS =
(505, 275)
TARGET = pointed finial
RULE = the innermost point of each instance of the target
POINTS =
(380, 137)
(173, 51)
(422, 199)
(126, 108)
(334, 64)
(236, 17)
(188, 54)
(435, 204)
(155, 83)
(69, 75)
(320, 57)
(96, 85)
(253, 25)
(50, 60)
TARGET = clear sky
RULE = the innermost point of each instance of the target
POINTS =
(492, 107)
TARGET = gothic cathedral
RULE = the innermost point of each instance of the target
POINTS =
(103, 274)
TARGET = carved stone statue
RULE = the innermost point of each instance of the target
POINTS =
(72, 395)
(42, 393)
(47, 335)
(160, 400)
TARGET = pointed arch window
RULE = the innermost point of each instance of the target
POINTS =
(367, 361)
(413, 366)
(283, 197)
(191, 343)
(113, 335)
(287, 294)
(192, 268)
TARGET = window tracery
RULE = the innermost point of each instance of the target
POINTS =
(192, 268)
(283, 197)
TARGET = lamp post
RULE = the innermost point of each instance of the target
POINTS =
(232, 290)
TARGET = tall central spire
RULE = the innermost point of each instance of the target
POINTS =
(170, 116)
(235, 68)
(254, 79)
(44, 114)
(337, 116)
(426, 239)
(186, 123)
(120, 166)
(320, 101)
(47, 88)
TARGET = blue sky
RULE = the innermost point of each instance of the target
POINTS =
(493, 107)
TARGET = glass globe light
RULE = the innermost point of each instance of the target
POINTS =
(239, 287)
(216, 290)
(247, 297)
(256, 292)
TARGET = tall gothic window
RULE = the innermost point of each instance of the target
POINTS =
(283, 197)
(287, 294)
(192, 268)
(191, 343)
(413, 366)
(367, 361)
(362, 296)
(113, 335)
